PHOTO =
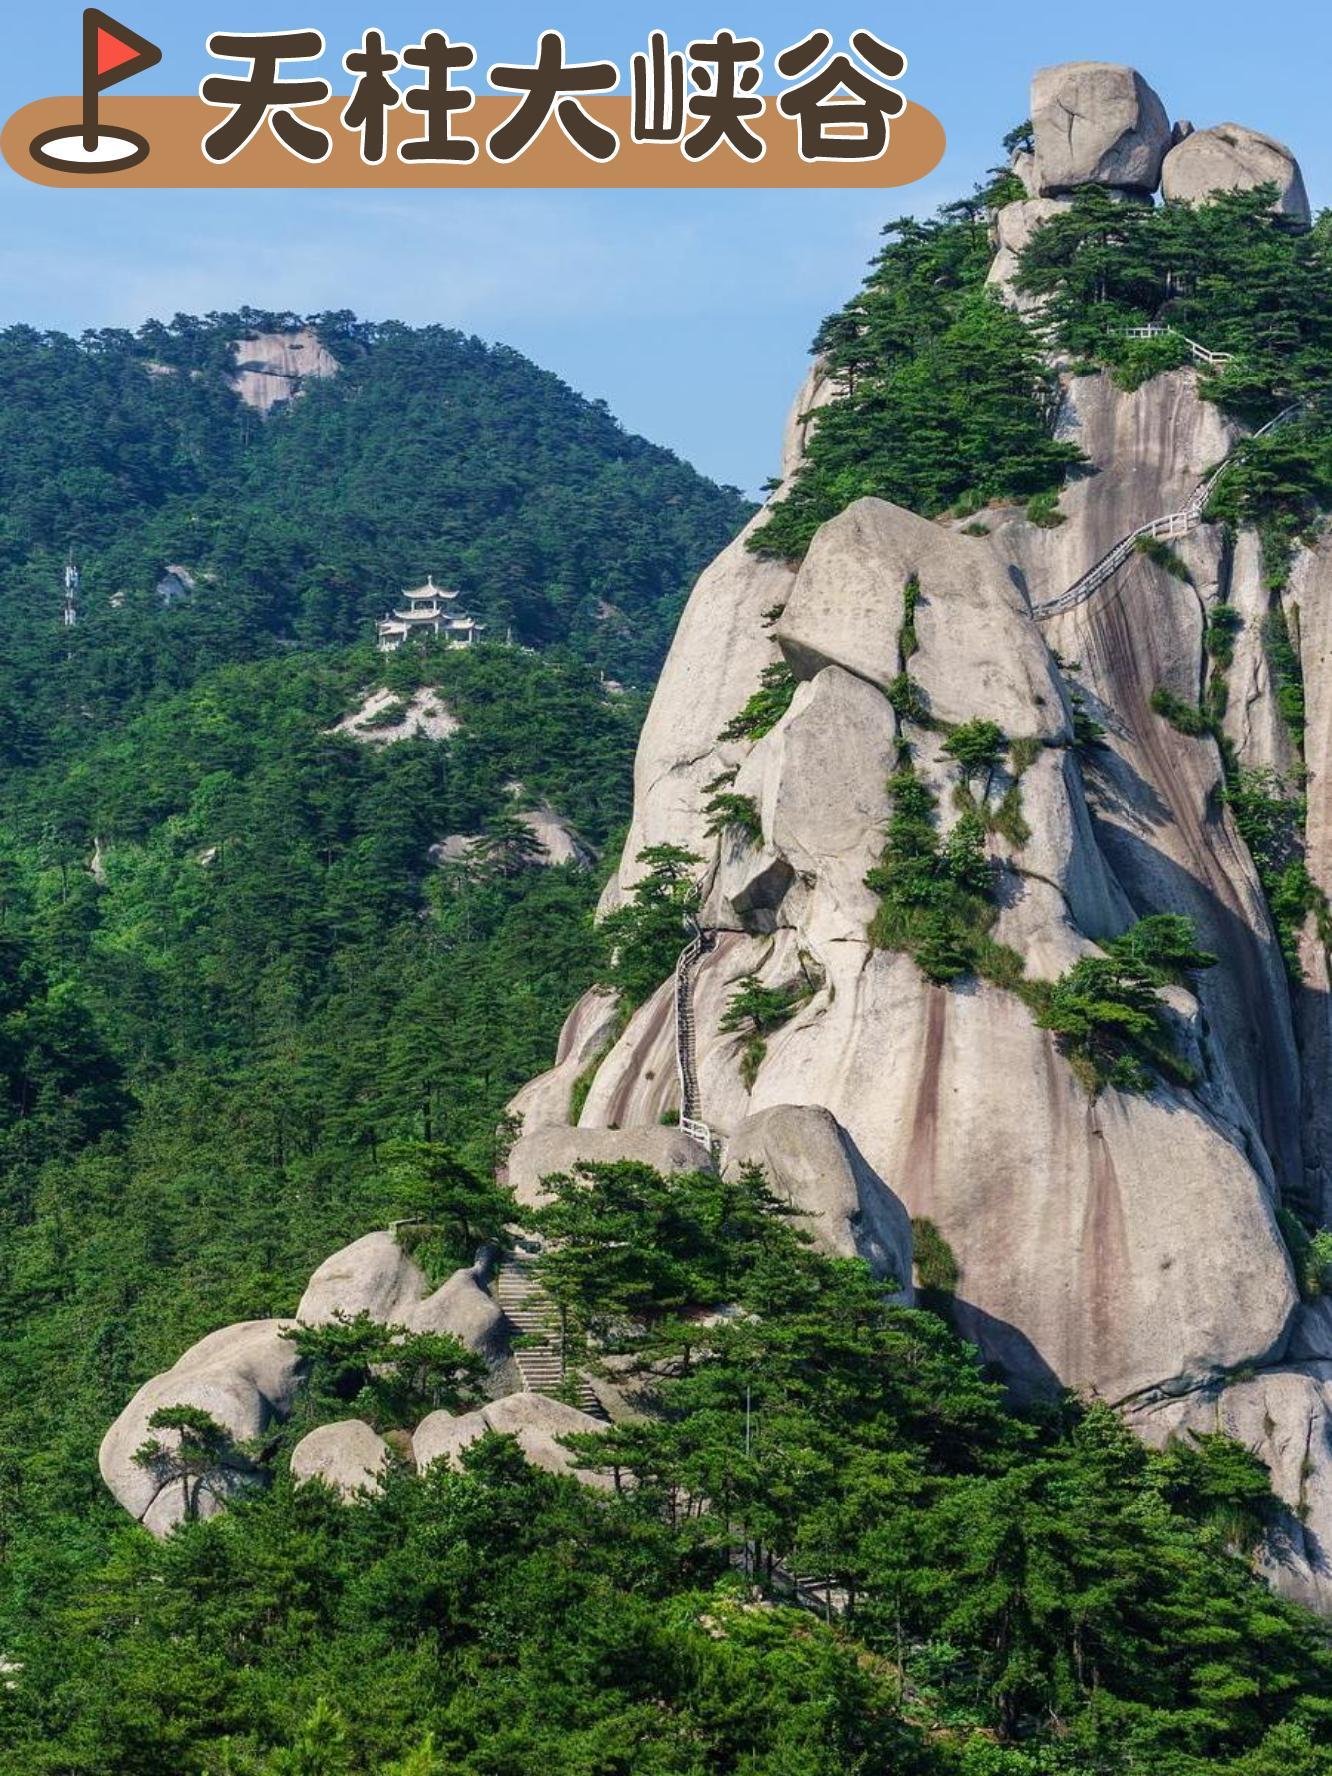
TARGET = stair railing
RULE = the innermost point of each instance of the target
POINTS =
(1173, 524)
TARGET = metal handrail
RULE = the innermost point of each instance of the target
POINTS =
(1173, 524)
(686, 1071)
(1201, 354)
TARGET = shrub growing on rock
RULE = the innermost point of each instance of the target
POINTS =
(767, 706)
(934, 897)
(737, 814)
(643, 938)
(1107, 1012)
(757, 1011)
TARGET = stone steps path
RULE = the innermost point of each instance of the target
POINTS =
(541, 1365)
(691, 1121)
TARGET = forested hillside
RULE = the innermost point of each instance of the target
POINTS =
(427, 452)
(233, 983)
(251, 1009)
(217, 1035)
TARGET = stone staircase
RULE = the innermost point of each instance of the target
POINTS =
(541, 1365)
(690, 1102)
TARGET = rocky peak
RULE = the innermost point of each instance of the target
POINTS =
(1124, 1243)
(1096, 123)
(1099, 123)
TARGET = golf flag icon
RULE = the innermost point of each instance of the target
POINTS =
(112, 52)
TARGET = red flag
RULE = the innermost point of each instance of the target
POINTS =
(112, 51)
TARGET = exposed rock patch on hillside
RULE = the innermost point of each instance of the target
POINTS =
(385, 718)
(271, 368)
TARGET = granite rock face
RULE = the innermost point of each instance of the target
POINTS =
(1284, 1415)
(846, 609)
(1124, 1244)
(545, 1102)
(1096, 123)
(1076, 1266)
(271, 368)
(811, 1163)
(349, 1457)
(1014, 226)
(1229, 157)
(536, 1421)
(422, 716)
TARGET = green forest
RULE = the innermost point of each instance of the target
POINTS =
(245, 1018)
(945, 400)
(428, 452)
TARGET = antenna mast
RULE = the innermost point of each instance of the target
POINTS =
(71, 612)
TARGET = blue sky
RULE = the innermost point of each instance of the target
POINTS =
(690, 313)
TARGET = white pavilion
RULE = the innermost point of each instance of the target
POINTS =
(429, 610)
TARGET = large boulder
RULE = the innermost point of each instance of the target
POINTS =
(812, 1164)
(846, 609)
(373, 1275)
(1097, 123)
(1229, 157)
(557, 1150)
(244, 1377)
(535, 1420)
(349, 1457)
(463, 1308)
(1284, 1415)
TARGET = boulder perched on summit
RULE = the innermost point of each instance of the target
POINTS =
(1229, 157)
(1097, 123)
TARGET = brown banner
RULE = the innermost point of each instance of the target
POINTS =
(175, 128)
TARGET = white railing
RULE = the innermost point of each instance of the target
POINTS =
(1201, 355)
(685, 1066)
(1173, 524)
